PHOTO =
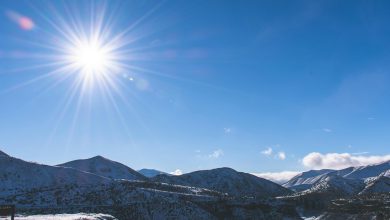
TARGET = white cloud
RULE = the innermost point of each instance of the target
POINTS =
(317, 160)
(328, 130)
(177, 172)
(267, 152)
(216, 154)
(281, 155)
(227, 130)
(277, 177)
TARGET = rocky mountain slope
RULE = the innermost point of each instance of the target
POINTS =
(379, 184)
(308, 179)
(335, 186)
(332, 187)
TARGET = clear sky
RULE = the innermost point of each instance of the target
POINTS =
(253, 85)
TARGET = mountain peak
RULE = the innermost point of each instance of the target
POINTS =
(98, 157)
(102, 166)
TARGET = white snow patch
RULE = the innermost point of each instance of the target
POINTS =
(79, 216)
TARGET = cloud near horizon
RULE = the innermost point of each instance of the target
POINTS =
(315, 160)
(277, 177)
(177, 172)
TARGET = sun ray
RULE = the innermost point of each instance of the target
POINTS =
(85, 50)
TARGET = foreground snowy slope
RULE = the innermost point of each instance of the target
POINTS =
(147, 200)
(104, 167)
(79, 216)
(228, 181)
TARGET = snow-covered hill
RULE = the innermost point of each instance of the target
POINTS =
(17, 174)
(78, 216)
(307, 179)
(363, 172)
(104, 167)
(336, 186)
(228, 181)
(332, 186)
(379, 184)
(151, 172)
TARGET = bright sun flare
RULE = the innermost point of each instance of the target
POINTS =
(91, 58)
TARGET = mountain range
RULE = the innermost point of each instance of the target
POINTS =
(98, 184)
(101, 185)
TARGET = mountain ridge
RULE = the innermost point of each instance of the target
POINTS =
(227, 180)
(102, 166)
(307, 179)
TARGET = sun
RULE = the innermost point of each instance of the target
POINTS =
(91, 58)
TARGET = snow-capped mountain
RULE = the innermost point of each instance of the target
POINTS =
(307, 179)
(104, 167)
(335, 184)
(103, 186)
(379, 184)
(228, 181)
(332, 186)
(17, 174)
(363, 172)
(151, 172)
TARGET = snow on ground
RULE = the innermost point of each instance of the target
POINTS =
(80, 216)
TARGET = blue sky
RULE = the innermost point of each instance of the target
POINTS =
(215, 83)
